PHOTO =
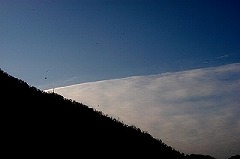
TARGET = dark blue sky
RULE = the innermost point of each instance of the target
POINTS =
(78, 41)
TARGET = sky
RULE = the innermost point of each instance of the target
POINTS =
(57, 43)
(50, 43)
(195, 111)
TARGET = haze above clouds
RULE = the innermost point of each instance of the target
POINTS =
(195, 111)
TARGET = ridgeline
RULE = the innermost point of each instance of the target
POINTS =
(40, 124)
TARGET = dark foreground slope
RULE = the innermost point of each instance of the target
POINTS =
(36, 123)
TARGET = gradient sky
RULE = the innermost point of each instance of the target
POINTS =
(50, 43)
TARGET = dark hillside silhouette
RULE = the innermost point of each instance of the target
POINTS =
(39, 124)
(234, 157)
(199, 156)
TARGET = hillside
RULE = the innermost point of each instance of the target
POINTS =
(36, 123)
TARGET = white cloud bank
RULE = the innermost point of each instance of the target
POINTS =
(196, 111)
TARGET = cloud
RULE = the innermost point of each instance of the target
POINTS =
(195, 111)
(223, 56)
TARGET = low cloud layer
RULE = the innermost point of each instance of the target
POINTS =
(194, 111)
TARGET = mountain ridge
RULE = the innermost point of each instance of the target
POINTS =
(37, 123)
